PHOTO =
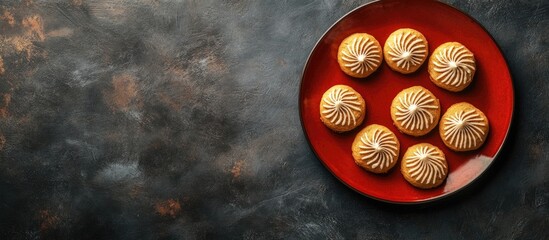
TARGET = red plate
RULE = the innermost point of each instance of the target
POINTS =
(491, 92)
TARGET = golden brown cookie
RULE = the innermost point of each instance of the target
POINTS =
(415, 111)
(424, 166)
(405, 50)
(452, 66)
(376, 149)
(342, 108)
(359, 55)
(463, 127)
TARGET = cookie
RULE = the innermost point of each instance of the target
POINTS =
(376, 149)
(415, 111)
(359, 55)
(452, 66)
(463, 127)
(405, 50)
(424, 166)
(342, 108)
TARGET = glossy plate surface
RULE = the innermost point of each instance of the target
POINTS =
(491, 92)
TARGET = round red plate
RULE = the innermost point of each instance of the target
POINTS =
(491, 92)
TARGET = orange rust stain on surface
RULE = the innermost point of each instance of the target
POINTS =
(2, 70)
(34, 27)
(113, 11)
(61, 32)
(77, 3)
(214, 64)
(6, 100)
(8, 18)
(123, 93)
(170, 208)
(178, 90)
(175, 70)
(48, 220)
(31, 30)
(136, 190)
(23, 44)
(237, 168)
(169, 101)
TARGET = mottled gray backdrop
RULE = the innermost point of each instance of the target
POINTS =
(172, 119)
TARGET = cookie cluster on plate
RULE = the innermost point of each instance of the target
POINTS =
(415, 111)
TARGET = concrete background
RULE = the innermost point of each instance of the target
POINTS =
(158, 119)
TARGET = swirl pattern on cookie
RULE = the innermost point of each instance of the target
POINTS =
(361, 55)
(455, 65)
(407, 50)
(381, 149)
(339, 106)
(462, 127)
(413, 110)
(426, 165)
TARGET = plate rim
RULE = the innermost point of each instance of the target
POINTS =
(422, 201)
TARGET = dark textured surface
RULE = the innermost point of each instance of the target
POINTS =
(157, 119)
